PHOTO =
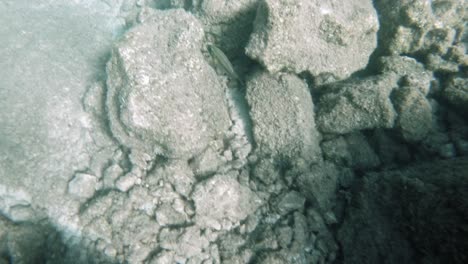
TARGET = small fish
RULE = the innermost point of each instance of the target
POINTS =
(222, 59)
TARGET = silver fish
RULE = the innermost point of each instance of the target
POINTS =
(222, 59)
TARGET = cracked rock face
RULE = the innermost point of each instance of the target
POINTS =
(315, 36)
(163, 97)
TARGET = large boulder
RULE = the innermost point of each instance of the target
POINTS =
(163, 97)
(316, 36)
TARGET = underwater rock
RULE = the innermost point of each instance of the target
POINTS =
(283, 120)
(357, 105)
(316, 36)
(163, 97)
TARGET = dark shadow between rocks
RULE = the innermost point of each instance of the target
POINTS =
(414, 215)
(41, 242)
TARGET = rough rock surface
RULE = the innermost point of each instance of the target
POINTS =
(83, 185)
(414, 113)
(362, 104)
(352, 150)
(456, 93)
(319, 185)
(410, 72)
(159, 87)
(217, 212)
(283, 120)
(315, 36)
(435, 28)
